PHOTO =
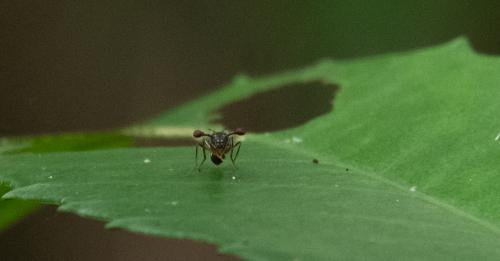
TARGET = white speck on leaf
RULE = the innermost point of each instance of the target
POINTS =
(397, 200)
(50, 177)
(498, 137)
(146, 161)
(174, 203)
(234, 177)
(413, 188)
(296, 139)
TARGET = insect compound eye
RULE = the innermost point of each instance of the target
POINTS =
(198, 133)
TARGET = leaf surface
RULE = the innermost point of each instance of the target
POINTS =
(408, 168)
(13, 210)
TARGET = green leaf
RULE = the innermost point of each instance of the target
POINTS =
(408, 168)
(73, 142)
(14, 209)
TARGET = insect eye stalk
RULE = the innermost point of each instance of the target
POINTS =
(238, 131)
(198, 133)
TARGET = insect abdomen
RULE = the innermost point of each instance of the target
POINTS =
(216, 160)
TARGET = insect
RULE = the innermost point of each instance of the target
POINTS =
(218, 143)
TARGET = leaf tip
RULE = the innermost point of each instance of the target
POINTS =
(461, 43)
(241, 79)
(9, 195)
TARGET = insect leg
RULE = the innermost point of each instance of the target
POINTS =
(233, 158)
(231, 149)
(196, 156)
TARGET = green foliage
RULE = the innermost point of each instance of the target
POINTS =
(14, 209)
(408, 168)
(75, 142)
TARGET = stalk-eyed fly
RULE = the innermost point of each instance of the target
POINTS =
(218, 144)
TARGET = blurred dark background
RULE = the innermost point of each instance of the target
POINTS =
(93, 65)
(87, 65)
